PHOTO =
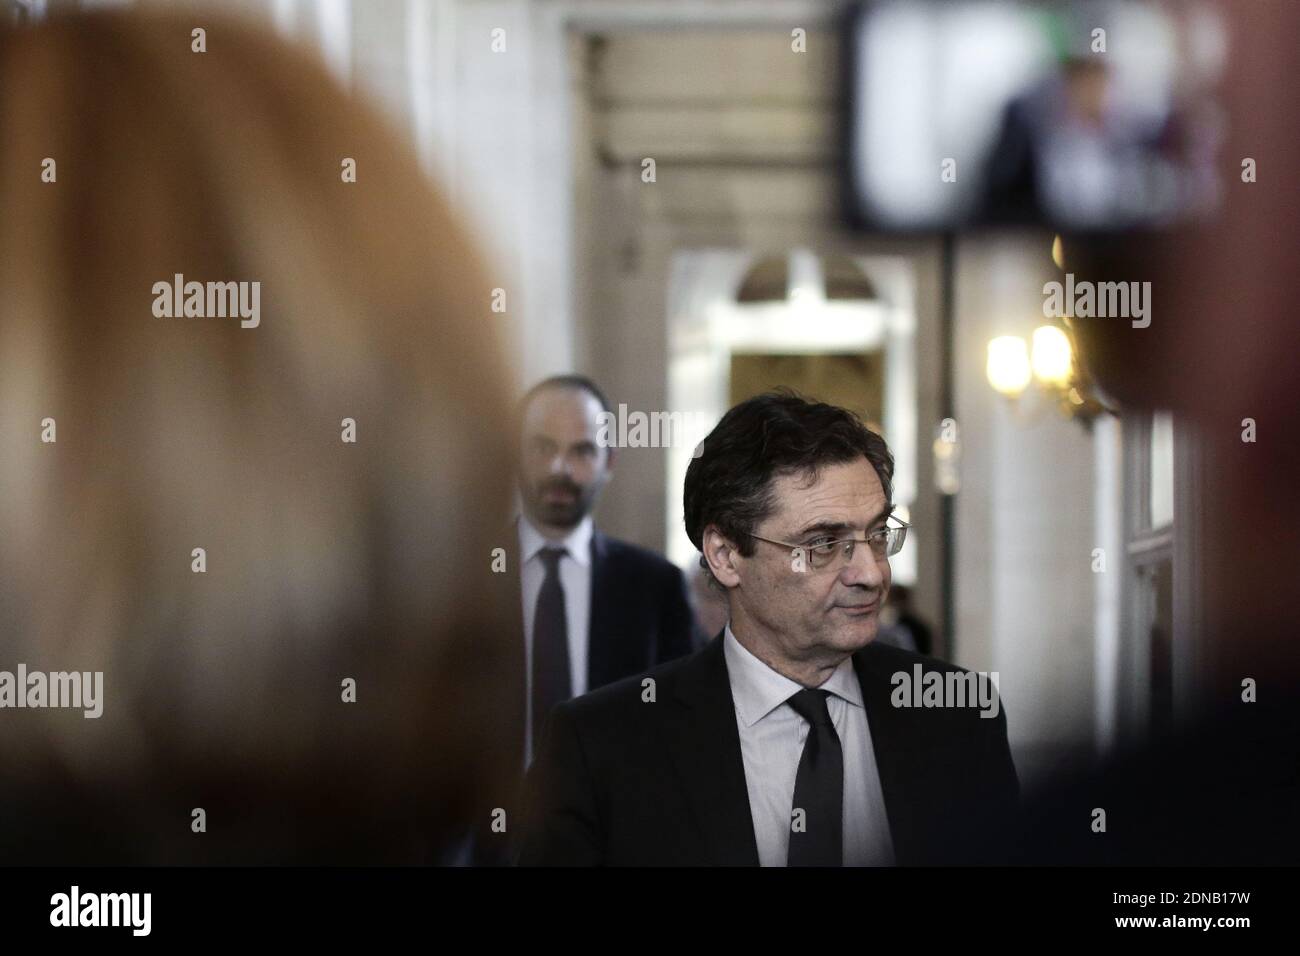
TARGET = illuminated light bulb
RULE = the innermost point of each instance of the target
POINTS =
(1008, 367)
(1051, 357)
(1058, 252)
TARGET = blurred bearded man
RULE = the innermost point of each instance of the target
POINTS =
(593, 609)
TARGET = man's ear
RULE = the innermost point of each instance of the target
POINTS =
(721, 555)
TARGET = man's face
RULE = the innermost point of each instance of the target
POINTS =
(1087, 88)
(562, 467)
(818, 614)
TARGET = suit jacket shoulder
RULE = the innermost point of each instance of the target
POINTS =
(611, 716)
(640, 613)
(646, 771)
(636, 565)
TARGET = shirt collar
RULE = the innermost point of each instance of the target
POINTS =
(577, 542)
(758, 690)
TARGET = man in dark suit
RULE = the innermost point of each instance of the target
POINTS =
(791, 739)
(590, 609)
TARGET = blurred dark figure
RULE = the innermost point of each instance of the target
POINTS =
(326, 561)
(711, 610)
(601, 608)
(587, 609)
(899, 625)
(1070, 152)
(1221, 348)
(1017, 165)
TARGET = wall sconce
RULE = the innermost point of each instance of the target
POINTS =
(1051, 356)
(1012, 365)
(1008, 367)
(1049, 359)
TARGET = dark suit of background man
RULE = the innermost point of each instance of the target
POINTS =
(592, 609)
(777, 744)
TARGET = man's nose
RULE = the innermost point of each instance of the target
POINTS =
(863, 569)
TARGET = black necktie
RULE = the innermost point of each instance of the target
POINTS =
(818, 787)
(550, 645)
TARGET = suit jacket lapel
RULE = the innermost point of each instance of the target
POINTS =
(704, 745)
(602, 626)
(889, 740)
(513, 594)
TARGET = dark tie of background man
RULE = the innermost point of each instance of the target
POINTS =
(551, 684)
(818, 786)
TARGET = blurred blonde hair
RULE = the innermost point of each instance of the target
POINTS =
(325, 560)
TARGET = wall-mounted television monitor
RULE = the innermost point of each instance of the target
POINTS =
(1081, 116)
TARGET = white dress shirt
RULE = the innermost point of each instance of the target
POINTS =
(771, 742)
(575, 581)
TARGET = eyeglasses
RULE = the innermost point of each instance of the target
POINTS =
(824, 552)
